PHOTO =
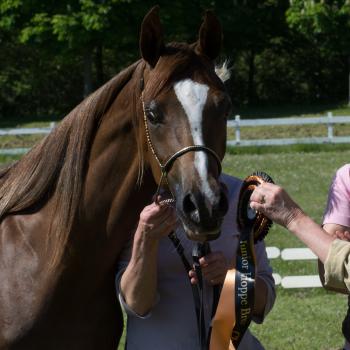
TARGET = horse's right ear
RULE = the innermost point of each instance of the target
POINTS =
(151, 37)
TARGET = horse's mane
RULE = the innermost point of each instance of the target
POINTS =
(59, 162)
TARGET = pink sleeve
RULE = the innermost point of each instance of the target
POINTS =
(338, 205)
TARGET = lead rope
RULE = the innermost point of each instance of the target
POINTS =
(197, 290)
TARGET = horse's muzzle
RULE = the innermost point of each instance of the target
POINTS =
(202, 216)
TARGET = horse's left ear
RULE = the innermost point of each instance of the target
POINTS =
(210, 36)
(151, 37)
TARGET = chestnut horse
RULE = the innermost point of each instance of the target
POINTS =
(68, 207)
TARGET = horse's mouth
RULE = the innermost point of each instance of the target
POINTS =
(198, 233)
(203, 236)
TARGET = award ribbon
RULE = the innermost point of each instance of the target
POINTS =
(236, 303)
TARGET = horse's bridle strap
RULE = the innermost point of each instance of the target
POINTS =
(165, 168)
(195, 148)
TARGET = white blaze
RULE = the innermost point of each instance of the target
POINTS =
(193, 97)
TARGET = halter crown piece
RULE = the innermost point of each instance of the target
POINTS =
(165, 168)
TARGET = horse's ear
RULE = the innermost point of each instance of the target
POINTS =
(210, 36)
(151, 37)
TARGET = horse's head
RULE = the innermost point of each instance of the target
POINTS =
(186, 104)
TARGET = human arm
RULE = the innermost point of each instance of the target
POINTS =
(274, 202)
(340, 232)
(138, 284)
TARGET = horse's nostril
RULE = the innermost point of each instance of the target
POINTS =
(190, 208)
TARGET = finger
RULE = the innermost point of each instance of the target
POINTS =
(194, 280)
(347, 235)
(160, 215)
(258, 207)
(193, 277)
(192, 273)
(169, 220)
(339, 234)
(256, 195)
(211, 258)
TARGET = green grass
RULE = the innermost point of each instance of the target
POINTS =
(309, 318)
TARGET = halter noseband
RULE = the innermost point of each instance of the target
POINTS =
(165, 168)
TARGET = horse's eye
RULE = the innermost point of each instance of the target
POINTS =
(152, 117)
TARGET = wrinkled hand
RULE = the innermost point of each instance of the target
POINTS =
(157, 220)
(274, 202)
(214, 267)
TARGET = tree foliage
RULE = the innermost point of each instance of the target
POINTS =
(55, 52)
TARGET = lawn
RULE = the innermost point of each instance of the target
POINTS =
(301, 319)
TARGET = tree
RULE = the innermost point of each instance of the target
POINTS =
(326, 24)
(250, 27)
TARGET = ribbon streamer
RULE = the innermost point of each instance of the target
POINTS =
(234, 312)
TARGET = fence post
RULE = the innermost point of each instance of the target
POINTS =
(330, 127)
(238, 130)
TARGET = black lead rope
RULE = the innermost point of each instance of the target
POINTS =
(199, 250)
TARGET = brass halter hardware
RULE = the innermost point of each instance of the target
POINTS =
(165, 168)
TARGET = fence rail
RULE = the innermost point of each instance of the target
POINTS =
(328, 120)
(292, 254)
(237, 124)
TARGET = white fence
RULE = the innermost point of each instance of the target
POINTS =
(21, 132)
(328, 121)
(237, 123)
(309, 281)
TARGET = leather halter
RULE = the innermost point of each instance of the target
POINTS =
(167, 165)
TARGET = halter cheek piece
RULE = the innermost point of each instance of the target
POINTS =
(166, 166)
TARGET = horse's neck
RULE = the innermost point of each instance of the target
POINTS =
(112, 199)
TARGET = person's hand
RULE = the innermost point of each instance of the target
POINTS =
(214, 267)
(343, 235)
(157, 221)
(274, 202)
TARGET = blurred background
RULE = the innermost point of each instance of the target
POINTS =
(283, 53)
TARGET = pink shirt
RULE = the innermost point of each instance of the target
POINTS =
(338, 206)
(338, 212)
